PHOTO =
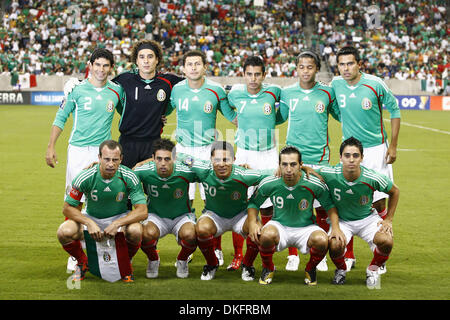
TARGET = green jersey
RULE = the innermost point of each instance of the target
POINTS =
(257, 116)
(93, 112)
(354, 199)
(197, 112)
(361, 107)
(308, 110)
(227, 198)
(106, 197)
(167, 197)
(292, 206)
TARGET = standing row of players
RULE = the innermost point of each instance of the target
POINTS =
(355, 99)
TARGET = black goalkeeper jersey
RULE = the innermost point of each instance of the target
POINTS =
(146, 102)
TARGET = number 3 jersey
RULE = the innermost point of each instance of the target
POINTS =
(93, 112)
(106, 197)
(354, 199)
(292, 206)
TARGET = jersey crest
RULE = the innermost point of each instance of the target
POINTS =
(320, 107)
(110, 106)
(161, 95)
(208, 107)
(267, 109)
(303, 205)
(366, 104)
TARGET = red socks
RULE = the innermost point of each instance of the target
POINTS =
(206, 245)
(75, 250)
(132, 249)
(251, 253)
(149, 248)
(186, 250)
(315, 257)
(349, 253)
(378, 259)
(218, 242)
(238, 243)
(339, 262)
(266, 257)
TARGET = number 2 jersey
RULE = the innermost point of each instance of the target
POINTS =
(93, 112)
(292, 206)
(354, 199)
(106, 197)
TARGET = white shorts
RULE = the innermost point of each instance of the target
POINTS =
(293, 237)
(258, 160)
(173, 226)
(315, 167)
(234, 224)
(78, 158)
(103, 223)
(374, 158)
(202, 153)
(365, 228)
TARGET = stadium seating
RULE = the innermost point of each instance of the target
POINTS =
(397, 39)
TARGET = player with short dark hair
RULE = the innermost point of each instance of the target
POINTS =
(361, 98)
(107, 186)
(256, 113)
(293, 221)
(226, 186)
(352, 188)
(167, 184)
(92, 103)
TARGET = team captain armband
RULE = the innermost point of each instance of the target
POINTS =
(75, 194)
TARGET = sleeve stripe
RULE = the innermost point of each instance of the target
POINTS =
(85, 175)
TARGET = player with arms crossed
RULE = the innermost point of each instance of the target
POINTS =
(167, 184)
(352, 187)
(307, 104)
(361, 98)
(293, 221)
(256, 115)
(107, 186)
(92, 103)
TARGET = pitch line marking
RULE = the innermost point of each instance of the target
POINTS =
(421, 127)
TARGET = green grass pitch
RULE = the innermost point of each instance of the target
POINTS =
(33, 264)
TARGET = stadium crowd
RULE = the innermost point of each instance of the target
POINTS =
(399, 39)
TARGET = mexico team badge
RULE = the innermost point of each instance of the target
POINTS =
(161, 95)
(178, 193)
(110, 106)
(366, 104)
(303, 205)
(208, 107)
(320, 107)
(267, 109)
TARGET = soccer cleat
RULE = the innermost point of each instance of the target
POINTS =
(182, 268)
(339, 276)
(293, 262)
(189, 260)
(209, 272)
(350, 263)
(266, 276)
(322, 266)
(248, 273)
(311, 277)
(152, 269)
(219, 255)
(372, 279)
(128, 279)
(71, 264)
(382, 269)
(235, 263)
(80, 271)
